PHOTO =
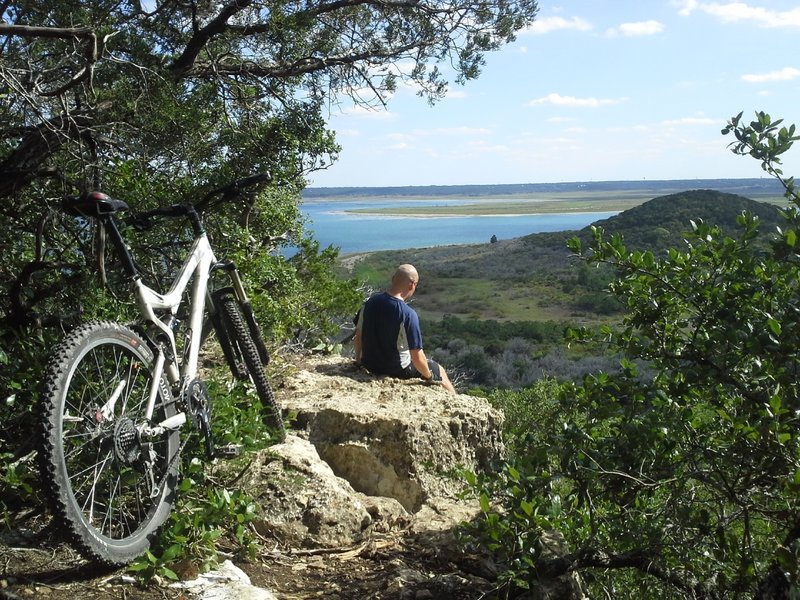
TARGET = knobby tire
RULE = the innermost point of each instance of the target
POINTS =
(246, 352)
(93, 467)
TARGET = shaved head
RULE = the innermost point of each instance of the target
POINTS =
(404, 281)
(404, 274)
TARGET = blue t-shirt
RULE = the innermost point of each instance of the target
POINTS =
(389, 330)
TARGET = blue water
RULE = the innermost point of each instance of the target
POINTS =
(332, 226)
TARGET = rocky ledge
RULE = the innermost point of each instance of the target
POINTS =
(361, 501)
(367, 452)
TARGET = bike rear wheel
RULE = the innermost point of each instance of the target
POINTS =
(245, 351)
(110, 486)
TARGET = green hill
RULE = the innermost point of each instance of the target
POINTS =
(535, 278)
(661, 222)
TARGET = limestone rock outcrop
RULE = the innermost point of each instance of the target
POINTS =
(372, 455)
(367, 451)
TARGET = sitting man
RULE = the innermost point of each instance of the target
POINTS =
(388, 340)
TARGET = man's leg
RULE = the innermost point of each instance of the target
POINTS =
(446, 383)
(440, 374)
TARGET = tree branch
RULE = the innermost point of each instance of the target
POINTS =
(233, 189)
(298, 67)
(184, 63)
(91, 54)
(29, 31)
(591, 558)
(22, 165)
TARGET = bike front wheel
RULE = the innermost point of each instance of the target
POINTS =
(245, 351)
(109, 479)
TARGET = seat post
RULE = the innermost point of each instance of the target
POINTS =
(108, 222)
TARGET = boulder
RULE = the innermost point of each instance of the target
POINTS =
(303, 503)
(374, 458)
(389, 437)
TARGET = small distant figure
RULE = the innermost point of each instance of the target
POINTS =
(388, 339)
(493, 240)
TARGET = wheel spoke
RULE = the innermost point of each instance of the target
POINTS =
(96, 392)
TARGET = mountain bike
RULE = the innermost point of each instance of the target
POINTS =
(116, 397)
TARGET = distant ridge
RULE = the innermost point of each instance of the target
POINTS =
(745, 187)
(662, 222)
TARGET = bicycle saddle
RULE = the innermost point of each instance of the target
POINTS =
(92, 204)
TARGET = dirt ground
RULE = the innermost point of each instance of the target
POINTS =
(415, 561)
(401, 565)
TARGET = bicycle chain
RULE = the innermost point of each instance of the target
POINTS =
(170, 464)
(172, 461)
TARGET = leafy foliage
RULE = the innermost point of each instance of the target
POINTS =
(168, 102)
(209, 515)
(684, 482)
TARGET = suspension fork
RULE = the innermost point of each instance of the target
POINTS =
(229, 267)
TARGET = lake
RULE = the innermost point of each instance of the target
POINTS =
(352, 233)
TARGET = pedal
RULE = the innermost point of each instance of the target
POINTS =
(228, 451)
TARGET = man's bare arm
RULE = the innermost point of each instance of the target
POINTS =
(420, 362)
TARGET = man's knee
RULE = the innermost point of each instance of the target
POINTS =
(435, 368)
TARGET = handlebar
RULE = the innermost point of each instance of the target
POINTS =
(101, 206)
(146, 220)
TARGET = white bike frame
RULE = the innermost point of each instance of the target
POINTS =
(196, 268)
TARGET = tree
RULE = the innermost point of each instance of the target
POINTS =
(98, 83)
(684, 482)
(221, 104)
(167, 101)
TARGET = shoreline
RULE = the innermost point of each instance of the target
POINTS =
(498, 209)
(470, 215)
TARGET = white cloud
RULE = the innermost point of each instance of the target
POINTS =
(784, 74)
(639, 28)
(548, 24)
(559, 100)
(685, 7)
(365, 112)
(400, 138)
(692, 121)
(731, 12)
(456, 94)
(348, 133)
(460, 131)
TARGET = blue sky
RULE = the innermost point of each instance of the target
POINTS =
(596, 90)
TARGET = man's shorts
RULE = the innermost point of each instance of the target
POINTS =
(411, 371)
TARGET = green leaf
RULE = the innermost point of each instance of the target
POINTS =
(171, 552)
(471, 478)
(774, 326)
